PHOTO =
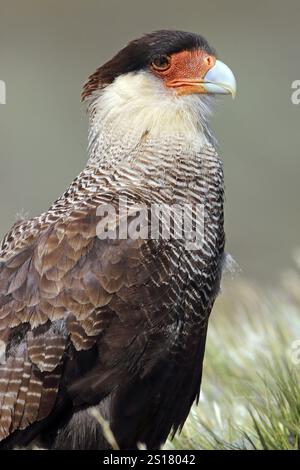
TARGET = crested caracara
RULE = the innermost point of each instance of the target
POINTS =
(90, 318)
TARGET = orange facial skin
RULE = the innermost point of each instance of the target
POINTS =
(186, 71)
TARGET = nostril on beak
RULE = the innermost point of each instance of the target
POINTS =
(209, 60)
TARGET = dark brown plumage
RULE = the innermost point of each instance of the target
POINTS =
(119, 324)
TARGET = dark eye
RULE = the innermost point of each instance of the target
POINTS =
(161, 62)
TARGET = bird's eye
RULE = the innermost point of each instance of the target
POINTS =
(161, 62)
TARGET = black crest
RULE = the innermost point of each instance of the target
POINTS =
(138, 54)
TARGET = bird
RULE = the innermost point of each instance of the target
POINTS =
(94, 318)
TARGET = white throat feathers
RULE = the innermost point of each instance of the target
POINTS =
(139, 104)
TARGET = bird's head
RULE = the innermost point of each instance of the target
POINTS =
(163, 76)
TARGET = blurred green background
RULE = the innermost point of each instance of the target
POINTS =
(49, 47)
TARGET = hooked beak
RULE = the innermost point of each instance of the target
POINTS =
(219, 80)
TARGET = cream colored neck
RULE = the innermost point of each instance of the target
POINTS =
(138, 105)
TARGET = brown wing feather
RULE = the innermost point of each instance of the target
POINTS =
(61, 290)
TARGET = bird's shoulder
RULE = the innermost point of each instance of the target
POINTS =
(53, 269)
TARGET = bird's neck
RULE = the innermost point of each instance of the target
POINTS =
(124, 152)
(137, 140)
(134, 110)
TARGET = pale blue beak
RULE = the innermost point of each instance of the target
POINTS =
(220, 80)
